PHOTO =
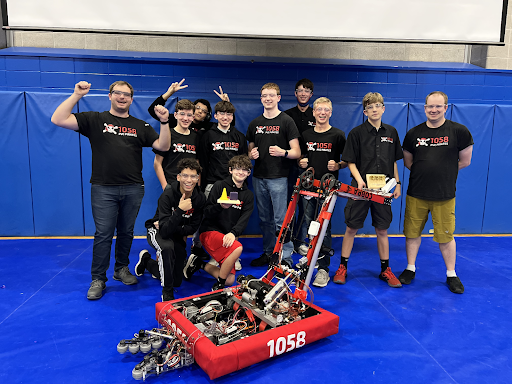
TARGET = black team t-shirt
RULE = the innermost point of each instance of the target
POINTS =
(182, 147)
(116, 144)
(264, 133)
(435, 154)
(320, 147)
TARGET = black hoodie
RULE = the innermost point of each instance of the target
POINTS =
(173, 220)
(233, 219)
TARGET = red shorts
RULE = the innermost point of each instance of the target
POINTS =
(212, 243)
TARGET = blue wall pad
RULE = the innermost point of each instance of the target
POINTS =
(15, 194)
(498, 209)
(55, 170)
(472, 181)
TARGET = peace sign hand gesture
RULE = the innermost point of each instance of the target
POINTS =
(223, 96)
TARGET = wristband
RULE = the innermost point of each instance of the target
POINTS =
(285, 153)
(164, 122)
(398, 182)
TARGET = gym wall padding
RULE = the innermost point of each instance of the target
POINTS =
(15, 192)
(498, 209)
(46, 169)
(54, 169)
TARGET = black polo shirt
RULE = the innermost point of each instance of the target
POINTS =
(303, 120)
(372, 150)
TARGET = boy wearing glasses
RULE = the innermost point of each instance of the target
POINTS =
(117, 187)
(273, 141)
(218, 145)
(184, 144)
(373, 147)
(434, 151)
(223, 224)
(323, 146)
(302, 115)
(179, 213)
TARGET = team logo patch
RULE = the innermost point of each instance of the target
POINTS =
(184, 148)
(311, 146)
(268, 129)
(422, 141)
(120, 131)
(386, 140)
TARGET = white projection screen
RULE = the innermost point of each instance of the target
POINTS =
(463, 21)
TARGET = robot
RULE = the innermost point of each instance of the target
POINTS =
(232, 328)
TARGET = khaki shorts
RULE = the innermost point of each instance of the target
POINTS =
(443, 218)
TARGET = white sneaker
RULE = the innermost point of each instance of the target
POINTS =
(213, 262)
(321, 278)
(238, 265)
(303, 250)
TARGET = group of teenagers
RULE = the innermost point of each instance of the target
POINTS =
(198, 161)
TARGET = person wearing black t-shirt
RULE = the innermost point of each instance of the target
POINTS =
(223, 223)
(372, 148)
(117, 187)
(323, 146)
(218, 145)
(184, 144)
(435, 151)
(273, 141)
(302, 115)
(179, 213)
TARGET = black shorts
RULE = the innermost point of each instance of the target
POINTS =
(357, 210)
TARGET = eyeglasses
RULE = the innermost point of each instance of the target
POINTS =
(430, 107)
(183, 114)
(201, 109)
(267, 95)
(191, 177)
(304, 90)
(119, 93)
(326, 110)
(373, 106)
(228, 114)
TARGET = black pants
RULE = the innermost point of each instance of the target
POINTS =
(171, 255)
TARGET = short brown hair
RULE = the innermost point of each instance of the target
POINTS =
(224, 106)
(322, 100)
(437, 93)
(271, 86)
(184, 105)
(189, 163)
(306, 83)
(240, 161)
(371, 98)
(120, 82)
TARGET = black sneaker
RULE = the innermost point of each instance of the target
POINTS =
(125, 276)
(96, 289)
(167, 296)
(193, 265)
(140, 267)
(218, 286)
(454, 284)
(199, 252)
(260, 261)
(407, 276)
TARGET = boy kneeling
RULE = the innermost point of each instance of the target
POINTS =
(223, 223)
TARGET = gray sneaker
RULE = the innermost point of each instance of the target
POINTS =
(96, 290)
(322, 278)
(303, 250)
(125, 276)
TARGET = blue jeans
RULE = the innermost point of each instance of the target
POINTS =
(309, 215)
(272, 203)
(113, 207)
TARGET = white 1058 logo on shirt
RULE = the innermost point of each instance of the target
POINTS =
(120, 131)
(268, 129)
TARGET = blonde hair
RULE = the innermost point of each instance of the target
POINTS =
(322, 100)
(437, 93)
(371, 98)
(271, 86)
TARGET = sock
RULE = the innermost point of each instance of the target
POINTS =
(451, 273)
(384, 264)
(411, 267)
(221, 280)
(344, 261)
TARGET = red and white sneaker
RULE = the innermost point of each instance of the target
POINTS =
(390, 278)
(341, 275)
